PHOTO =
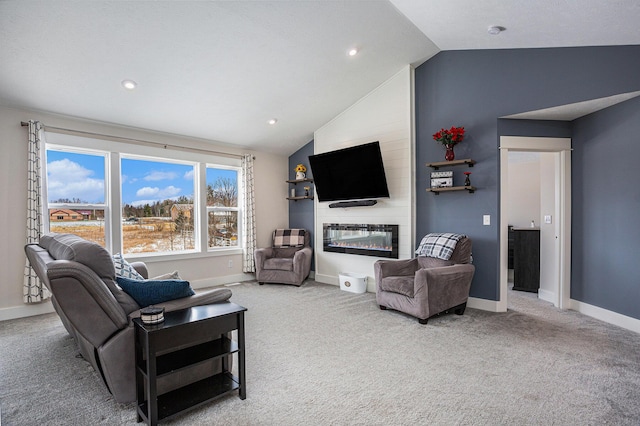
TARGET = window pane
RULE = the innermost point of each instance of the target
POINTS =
(74, 178)
(222, 187)
(223, 229)
(157, 206)
(85, 223)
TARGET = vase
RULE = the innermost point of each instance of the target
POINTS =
(449, 155)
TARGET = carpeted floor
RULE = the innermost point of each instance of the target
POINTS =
(318, 356)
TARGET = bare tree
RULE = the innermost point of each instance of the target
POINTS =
(223, 193)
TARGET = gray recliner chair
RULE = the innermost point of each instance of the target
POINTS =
(284, 263)
(426, 286)
(81, 278)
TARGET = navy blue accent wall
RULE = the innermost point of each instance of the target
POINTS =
(473, 89)
(535, 128)
(301, 214)
(606, 209)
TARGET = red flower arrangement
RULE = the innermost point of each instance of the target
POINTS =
(449, 137)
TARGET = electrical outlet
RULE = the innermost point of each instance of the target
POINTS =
(486, 219)
(231, 264)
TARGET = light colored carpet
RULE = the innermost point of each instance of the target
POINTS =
(318, 356)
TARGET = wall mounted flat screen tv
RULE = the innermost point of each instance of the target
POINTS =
(354, 173)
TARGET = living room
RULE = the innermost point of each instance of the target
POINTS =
(479, 89)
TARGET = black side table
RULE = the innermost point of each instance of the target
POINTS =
(178, 360)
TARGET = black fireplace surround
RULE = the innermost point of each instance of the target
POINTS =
(362, 239)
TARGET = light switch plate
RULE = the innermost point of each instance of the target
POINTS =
(486, 219)
(547, 218)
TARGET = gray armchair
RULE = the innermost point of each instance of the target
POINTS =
(287, 261)
(426, 286)
(81, 278)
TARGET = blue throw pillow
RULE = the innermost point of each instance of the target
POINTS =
(151, 292)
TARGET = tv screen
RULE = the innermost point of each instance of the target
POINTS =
(353, 173)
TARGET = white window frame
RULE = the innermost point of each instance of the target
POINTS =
(239, 209)
(197, 222)
(105, 205)
(114, 150)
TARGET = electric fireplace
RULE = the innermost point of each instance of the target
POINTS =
(361, 239)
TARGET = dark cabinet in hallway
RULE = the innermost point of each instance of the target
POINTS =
(526, 259)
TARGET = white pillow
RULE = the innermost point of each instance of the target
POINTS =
(169, 276)
(124, 268)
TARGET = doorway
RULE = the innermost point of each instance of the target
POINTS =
(555, 218)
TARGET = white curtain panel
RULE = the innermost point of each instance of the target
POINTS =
(34, 290)
(249, 216)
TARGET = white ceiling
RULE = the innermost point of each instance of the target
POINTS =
(220, 70)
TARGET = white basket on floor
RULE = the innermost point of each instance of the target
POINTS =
(353, 282)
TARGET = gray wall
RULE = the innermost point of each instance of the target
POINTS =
(301, 212)
(606, 209)
(473, 89)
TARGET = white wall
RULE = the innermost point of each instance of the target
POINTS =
(549, 244)
(524, 188)
(384, 115)
(532, 195)
(271, 206)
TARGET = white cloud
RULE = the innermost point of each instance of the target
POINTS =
(68, 179)
(147, 191)
(169, 192)
(188, 175)
(155, 175)
(157, 193)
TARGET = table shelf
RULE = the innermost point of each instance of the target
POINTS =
(191, 347)
(192, 396)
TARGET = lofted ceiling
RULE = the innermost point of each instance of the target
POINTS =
(221, 70)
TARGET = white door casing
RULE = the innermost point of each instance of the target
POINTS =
(561, 146)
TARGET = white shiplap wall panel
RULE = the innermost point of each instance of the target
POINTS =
(384, 115)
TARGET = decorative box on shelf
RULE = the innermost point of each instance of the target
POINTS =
(441, 179)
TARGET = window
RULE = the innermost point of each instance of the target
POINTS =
(157, 206)
(76, 193)
(222, 207)
(134, 200)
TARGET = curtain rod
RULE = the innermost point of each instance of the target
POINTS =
(64, 131)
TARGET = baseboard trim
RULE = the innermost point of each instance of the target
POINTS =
(218, 281)
(16, 312)
(607, 316)
(327, 279)
(483, 304)
(547, 296)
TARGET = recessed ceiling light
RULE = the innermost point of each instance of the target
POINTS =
(495, 29)
(129, 84)
(353, 52)
(273, 121)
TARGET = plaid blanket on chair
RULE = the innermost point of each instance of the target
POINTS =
(288, 238)
(440, 245)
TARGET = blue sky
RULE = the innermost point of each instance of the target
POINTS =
(72, 175)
